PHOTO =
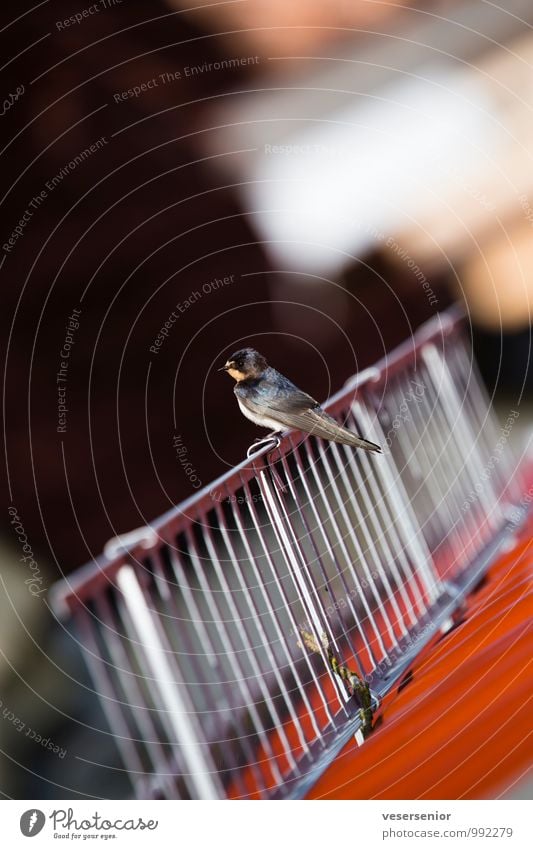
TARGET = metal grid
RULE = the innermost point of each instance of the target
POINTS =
(211, 640)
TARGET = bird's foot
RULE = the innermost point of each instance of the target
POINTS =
(273, 440)
(274, 434)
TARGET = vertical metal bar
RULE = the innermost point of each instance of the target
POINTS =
(440, 506)
(459, 428)
(232, 654)
(145, 667)
(282, 638)
(330, 548)
(452, 409)
(340, 542)
(317, 626)
(371, 520)
(209, 659)
(456, 452)
(455, 471)
(363, 523)
(110, 702)
(479, 396)
(294, 625)
(400, 505)
(390, 531)
(441, 457)
(307, 587)
(141, 711)
(381, 472)
(202, 774)
(484, 419)
(416, 462)
(256, 617)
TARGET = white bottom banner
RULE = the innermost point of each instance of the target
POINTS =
(264, 825)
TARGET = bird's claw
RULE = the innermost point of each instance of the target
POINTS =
(272, 439)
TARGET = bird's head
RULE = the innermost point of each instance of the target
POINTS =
(245, 364)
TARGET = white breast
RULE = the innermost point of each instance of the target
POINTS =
(262, 421)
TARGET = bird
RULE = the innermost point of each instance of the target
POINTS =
(271, 400)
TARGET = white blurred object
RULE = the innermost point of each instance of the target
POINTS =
(335, 187)
(422, 135)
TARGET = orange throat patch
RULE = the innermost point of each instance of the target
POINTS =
(236, 374)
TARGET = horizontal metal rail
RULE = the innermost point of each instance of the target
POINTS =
(241, 639)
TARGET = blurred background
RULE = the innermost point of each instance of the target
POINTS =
(314, 179)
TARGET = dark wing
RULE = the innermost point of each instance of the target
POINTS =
(296, 409)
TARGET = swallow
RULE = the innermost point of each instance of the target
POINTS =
(271, 400)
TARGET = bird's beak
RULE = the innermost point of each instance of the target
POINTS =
(225, 367)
